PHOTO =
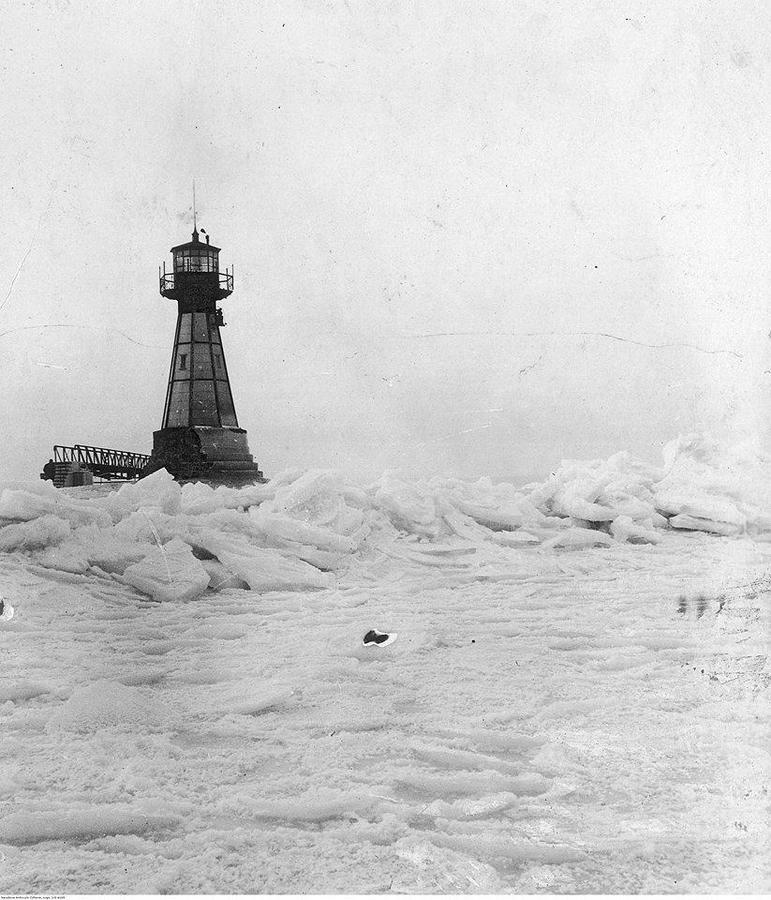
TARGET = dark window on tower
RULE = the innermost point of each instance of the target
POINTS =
(183, 361)
(218, 360)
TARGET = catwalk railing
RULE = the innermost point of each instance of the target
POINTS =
(171, 282)
(101, 461)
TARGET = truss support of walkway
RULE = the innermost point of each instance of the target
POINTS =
(110, 465)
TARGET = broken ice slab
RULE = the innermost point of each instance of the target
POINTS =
(494, 519)
(579, 508)
(169, 572)
(289, 529)
(46, 531)
(515, 538)
(263, 569)
(697, 523)
(409, 507)
(319, 806)
(471, 808)
(24, 505)
(72, 824)
(624, 529)
(158, 491)
(69, 557)
(198, 498)
(220, 577)
(22, 690)
(579, 539)
(482, 846)
(458, 784)
(702, 506)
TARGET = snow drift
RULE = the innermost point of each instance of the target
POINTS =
(173, 542)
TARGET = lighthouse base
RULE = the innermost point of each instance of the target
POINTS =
(201, 453)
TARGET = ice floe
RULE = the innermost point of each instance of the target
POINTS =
(301, 530)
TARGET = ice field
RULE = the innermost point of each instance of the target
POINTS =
(576, 701)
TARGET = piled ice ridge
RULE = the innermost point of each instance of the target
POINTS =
(173, 542)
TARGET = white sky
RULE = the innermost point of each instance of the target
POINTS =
(432, 208)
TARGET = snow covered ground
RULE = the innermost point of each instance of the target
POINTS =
(576, 701)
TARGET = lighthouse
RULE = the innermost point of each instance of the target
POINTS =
(200, 439)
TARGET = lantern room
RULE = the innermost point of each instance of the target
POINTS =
(196, 256)
(195, 277)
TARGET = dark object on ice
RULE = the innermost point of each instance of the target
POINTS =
(376, 637)
(200, 439)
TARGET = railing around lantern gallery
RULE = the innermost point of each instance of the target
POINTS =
(170, 281)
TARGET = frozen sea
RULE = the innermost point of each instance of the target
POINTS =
(548, 720)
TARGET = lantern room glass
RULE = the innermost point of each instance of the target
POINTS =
(196, 259)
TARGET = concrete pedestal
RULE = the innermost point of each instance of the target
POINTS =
(203, 453)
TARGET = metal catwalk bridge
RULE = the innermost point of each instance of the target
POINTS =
(120, 465)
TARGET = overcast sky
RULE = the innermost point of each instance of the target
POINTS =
(468, 238)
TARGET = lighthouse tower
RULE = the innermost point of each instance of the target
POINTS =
(200, 439)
